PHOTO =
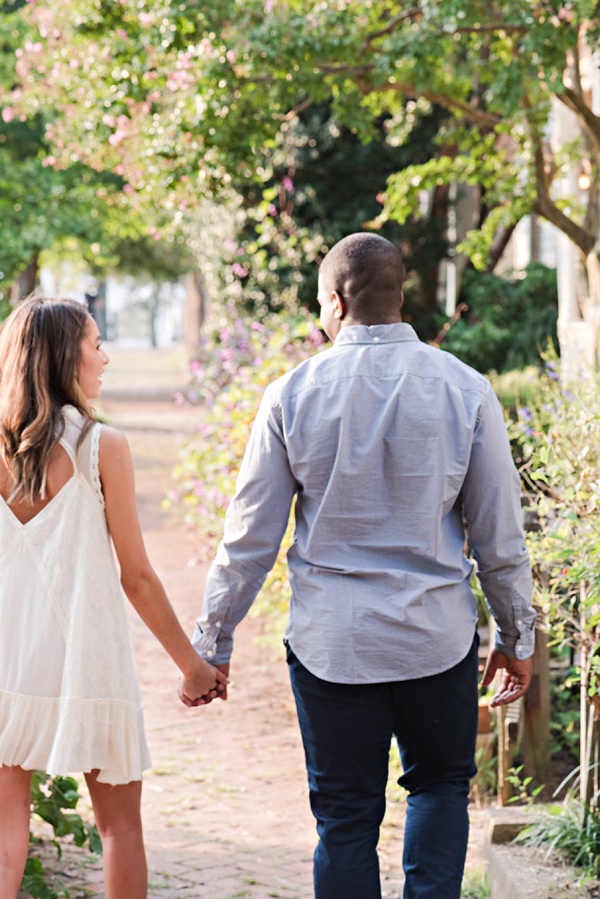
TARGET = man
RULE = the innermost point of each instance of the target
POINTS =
(389, 446)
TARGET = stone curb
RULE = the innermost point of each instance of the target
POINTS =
(520, 872)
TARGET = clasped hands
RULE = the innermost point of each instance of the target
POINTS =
(188, 689)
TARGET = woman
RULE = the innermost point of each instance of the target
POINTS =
(69, 697)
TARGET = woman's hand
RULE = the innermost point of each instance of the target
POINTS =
(217, 689)
(203, 684)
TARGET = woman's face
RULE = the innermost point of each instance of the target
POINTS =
(93, 361)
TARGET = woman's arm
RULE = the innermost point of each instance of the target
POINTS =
(139, 580)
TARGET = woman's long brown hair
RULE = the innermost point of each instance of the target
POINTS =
(40, 355)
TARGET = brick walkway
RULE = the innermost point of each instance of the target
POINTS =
(225, 804)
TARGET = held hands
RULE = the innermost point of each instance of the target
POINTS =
(515, 680)
(203, 684)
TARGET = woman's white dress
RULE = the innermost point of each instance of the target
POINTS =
(69, 694)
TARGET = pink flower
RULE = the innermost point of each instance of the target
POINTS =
(119, 135)
(8, 114)
(22, 68)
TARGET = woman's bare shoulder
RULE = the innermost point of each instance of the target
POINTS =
(111, 437)
(114, 447)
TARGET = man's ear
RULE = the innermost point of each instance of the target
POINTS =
(339, 307)
(401, 299)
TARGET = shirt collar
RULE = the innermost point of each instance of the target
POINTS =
(72, 414)
(398, 332)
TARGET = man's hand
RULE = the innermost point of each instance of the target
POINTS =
(515, 681)
(220, 692)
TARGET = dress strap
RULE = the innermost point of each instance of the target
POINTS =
(69, 451)
(84, 454)
(70, 438)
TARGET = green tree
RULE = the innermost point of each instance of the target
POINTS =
(323, 183)
(508, 321)
(185, 96)
(42, 205)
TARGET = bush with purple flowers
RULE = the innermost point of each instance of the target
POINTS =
(234, 363)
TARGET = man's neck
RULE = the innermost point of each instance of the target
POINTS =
(349, 321)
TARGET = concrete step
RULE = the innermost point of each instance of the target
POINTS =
(522, 872)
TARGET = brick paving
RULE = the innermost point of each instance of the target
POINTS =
(225, 804)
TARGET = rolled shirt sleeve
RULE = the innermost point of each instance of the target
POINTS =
(491, 505)
(255, 523)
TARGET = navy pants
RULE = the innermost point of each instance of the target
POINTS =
(347, 731)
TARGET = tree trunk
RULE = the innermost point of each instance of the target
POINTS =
(590, 757)
(153, 313)
(498, 247)
(195, 307)
(589, 746)
(591, 309)
(438, 214)
(578, 308)
(25, 282)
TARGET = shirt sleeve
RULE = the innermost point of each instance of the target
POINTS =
(255, 523)
(491, 500)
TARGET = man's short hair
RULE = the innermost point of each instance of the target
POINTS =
(363, 260)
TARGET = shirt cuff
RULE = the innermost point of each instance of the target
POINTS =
(520, 647)
(212, 644)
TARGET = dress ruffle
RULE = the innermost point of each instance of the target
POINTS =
(64, 736)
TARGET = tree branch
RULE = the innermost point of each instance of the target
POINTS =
(297, 110)
(489, 29)
(544, 205)
(476, 115)
(460, 29)
(576, 67)
(346, 69)
(499, 244)
(575, 102)
(582, 238)
(389, 28)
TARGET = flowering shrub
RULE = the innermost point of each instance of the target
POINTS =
(232, 367)
(559, 439)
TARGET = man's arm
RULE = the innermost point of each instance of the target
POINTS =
(491, 500)
(255, 523)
